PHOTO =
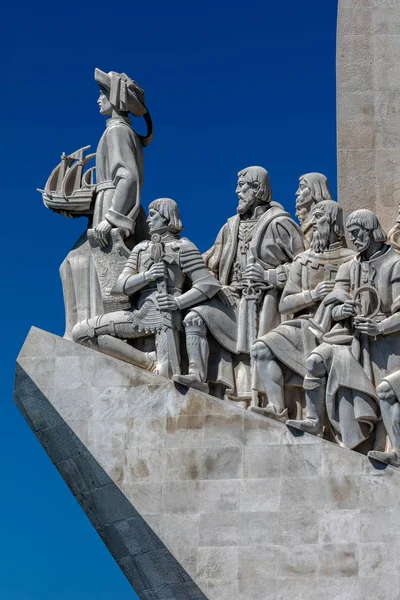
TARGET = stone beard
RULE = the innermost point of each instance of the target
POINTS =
(320, 238)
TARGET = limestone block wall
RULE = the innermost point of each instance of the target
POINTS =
(197, 498)
(368, 106)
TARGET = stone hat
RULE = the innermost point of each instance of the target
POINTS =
(125, 94)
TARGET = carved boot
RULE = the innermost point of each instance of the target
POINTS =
(387, 458)
(271, 412)
(315, 402)
(198, 351)
(93, 334)
(390, 411)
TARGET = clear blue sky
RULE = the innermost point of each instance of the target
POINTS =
(229, 84)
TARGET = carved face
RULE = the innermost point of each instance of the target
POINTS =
(247, 192)
(104, 104)
(360, 237)
(302, 213)
(320, 220)
(304, 201)
(322, 230)
(155, 221)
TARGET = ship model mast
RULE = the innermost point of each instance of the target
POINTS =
(69, 188)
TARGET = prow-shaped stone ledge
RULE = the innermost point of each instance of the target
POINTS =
(196, 498)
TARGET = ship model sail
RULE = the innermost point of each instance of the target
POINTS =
(69, 188)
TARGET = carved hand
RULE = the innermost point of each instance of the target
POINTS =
(349, 308)
(156, 271)
(322, 290)
(255, 272)
(101, 232)
(367, 325)
(167, 302)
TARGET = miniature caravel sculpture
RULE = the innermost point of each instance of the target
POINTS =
(287, 321)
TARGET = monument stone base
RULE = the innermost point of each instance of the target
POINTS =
(196, 498)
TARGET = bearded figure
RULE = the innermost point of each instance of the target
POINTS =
(281, 355)
(249, 258)
(313, 188)
(361, 350)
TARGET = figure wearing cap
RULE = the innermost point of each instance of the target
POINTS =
(116, 219)
(119, 157)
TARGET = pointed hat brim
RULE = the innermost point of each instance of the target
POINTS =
(122, 92)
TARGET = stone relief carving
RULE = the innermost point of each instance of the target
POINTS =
(283, 319)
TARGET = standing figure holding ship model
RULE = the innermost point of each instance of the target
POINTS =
(112, 205)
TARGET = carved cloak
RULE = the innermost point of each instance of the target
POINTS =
(276, 240)
(293, 341)
(357, 366)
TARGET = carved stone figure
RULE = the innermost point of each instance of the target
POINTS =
(313, 188)
(249, 259)
(393, 236)
(344, 371)
(155, 278)
(389, 400)
(116, 220)
(280, 356)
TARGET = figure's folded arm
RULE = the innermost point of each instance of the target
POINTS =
(130, 281)
(129, 284)
(293, 303)
(294, 298)
(125, 177)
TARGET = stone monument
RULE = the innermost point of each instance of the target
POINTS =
(230, 422)
(368, 108)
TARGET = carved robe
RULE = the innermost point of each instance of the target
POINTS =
(307, 229)
(119, 174)
(358, 363)
(292, 341)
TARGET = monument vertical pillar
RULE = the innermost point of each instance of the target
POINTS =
(368, 107)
